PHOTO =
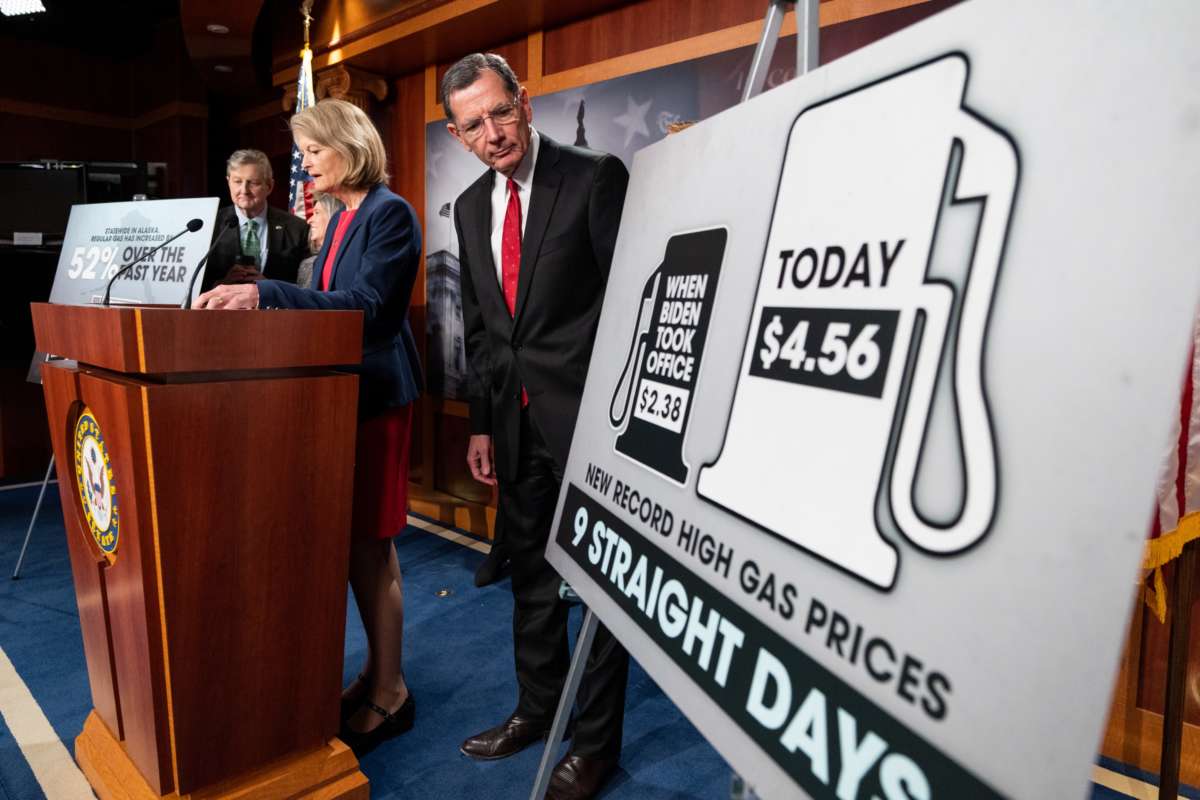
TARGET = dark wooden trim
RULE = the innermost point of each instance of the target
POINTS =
(1177, 668)
(93, 119)
(161, 340)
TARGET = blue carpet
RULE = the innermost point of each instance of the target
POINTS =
(458, 661)
(1151, 778)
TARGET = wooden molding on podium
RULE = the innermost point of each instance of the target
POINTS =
(214, 632)
(327, 773)
(164, 341)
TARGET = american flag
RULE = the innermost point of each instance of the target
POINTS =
(300, 190)
(1177, 511)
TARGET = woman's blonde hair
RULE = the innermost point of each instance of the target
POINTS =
(349, 132)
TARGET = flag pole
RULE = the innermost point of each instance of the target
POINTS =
(300, 200)
(306, 11)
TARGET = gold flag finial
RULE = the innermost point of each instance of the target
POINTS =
(306, 10)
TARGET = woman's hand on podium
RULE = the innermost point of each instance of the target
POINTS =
(229, 298)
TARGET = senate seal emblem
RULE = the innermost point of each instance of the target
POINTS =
(97, 492)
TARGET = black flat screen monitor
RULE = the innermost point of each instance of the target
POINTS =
(35, 198)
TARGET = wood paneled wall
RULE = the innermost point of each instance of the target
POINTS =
(639, 27)
(103, 104)
(263, 128)
(66, 77)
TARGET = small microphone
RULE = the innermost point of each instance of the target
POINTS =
(230, 224)
(192, 227)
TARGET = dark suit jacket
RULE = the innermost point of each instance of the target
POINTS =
(570, 232)
(376, 267)
(287, 246)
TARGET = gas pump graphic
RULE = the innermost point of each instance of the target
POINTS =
(653, 397)
(848, 332)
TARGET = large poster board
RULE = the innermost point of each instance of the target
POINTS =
(102, 237)
(881, 387)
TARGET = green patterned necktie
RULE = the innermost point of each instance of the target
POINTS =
(251, 246)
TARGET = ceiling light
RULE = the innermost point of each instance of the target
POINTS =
(223, 68)
(214, 27)
(14, 8)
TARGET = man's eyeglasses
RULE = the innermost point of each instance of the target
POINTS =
(503, 114)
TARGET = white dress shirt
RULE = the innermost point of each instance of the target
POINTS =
(523, 177)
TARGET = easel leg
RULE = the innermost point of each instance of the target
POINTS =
(1177, 662)
(36, 509)
(808, 42)
(583, 647)
(808, 36)
(761, 63)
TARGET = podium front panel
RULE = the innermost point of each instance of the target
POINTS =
(210, 561)
(116, 591)
(252, 481)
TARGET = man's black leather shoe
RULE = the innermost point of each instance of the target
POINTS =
(509, 737)
(579, 777)
(493, 568)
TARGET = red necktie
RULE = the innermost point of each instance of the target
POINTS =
(510, 248)
(510, 257)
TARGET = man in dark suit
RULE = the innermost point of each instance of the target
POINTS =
(275, 240)
(536, 235)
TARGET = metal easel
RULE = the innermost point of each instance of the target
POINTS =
(33, 521)
(807, 43)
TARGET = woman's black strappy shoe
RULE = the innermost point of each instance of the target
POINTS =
(394, 723)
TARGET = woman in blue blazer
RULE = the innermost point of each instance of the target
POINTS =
(368, 262)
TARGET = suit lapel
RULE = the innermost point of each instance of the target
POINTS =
(546, 180)
(322, 254)
(230, 245)
(481, 210)
(355, 225)
(274, 235)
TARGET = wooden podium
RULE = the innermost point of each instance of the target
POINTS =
(205, 464)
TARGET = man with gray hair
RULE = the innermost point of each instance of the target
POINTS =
(266, 241)
(536, 234)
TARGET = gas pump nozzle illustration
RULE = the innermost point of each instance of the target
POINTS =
(847, 337)
(653, 397)
(637, 351)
